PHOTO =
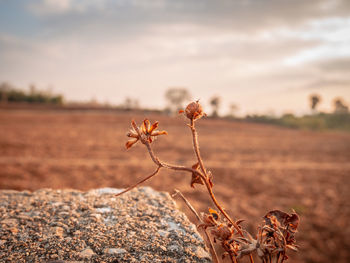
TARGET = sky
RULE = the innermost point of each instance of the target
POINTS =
(265, 56)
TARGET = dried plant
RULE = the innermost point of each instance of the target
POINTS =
(275, 236)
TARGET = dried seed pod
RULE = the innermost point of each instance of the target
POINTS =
(194, 111)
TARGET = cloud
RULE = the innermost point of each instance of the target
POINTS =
(62, 7)
(334, 65)
(331, 73)
(329, 83)
(119, 48)
(240, 16)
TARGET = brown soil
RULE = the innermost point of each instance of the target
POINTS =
(256, 168)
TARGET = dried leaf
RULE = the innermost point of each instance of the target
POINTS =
(196, 179)
(153, 127)
(156, 133)
(130, 143)
(277, 217)
(294, 248)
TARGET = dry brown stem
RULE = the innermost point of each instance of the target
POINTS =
(211, 245)
(275, 237)
(196, 147)
(140, 182)
(204, 177)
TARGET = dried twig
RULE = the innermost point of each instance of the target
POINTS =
(140, 182)
(211, 245)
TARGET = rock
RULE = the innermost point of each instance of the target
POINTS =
(163, 248)
(163, 233)
(14, 230)
(86, 253)
(142, 225)
(59, 231)
(9, 222)
(201, 253)
(174, 248)
(113, 251)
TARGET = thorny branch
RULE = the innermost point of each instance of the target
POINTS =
(274, 237)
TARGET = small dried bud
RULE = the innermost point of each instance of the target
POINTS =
(222, 232)
(194, 111)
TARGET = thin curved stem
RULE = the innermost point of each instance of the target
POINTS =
(208, 185)
(196, 148)
(140, 182)
(210, 190)
(177, 192)
(233, 258)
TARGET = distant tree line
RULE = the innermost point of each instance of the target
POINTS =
(339, 119)
(339, 105)
(321, 121)
(9, 94)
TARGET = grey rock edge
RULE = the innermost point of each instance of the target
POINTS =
(142, 225)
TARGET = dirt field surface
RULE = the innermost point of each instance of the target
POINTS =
(256, 168)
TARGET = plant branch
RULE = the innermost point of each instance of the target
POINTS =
(144, 139)
(209, 188)
(177, 192)
(196, 147)
(140, 182)
(208, 184)
(205, 178)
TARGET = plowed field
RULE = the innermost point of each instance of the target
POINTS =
(256, 168)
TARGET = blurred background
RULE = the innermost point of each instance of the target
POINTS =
(273, 77)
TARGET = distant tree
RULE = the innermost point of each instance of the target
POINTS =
(340, 107)
(314, 101)
(176, 98)
(215, 102)
(233, 109)
(58, 100)
(130, 104)
(4, 90)
(32, 89)
(5, 87)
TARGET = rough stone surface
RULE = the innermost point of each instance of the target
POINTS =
(72, 226)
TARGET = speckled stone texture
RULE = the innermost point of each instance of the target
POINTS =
(95, 226)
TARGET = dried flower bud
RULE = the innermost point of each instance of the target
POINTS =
(222, 232)
(194, 111)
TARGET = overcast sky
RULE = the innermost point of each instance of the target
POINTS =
(264, 56)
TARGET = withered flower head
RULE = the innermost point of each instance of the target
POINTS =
(210, 220)
(146, 129)
(214, 213)
(280, 229)
(280, 219)
(193, 111)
